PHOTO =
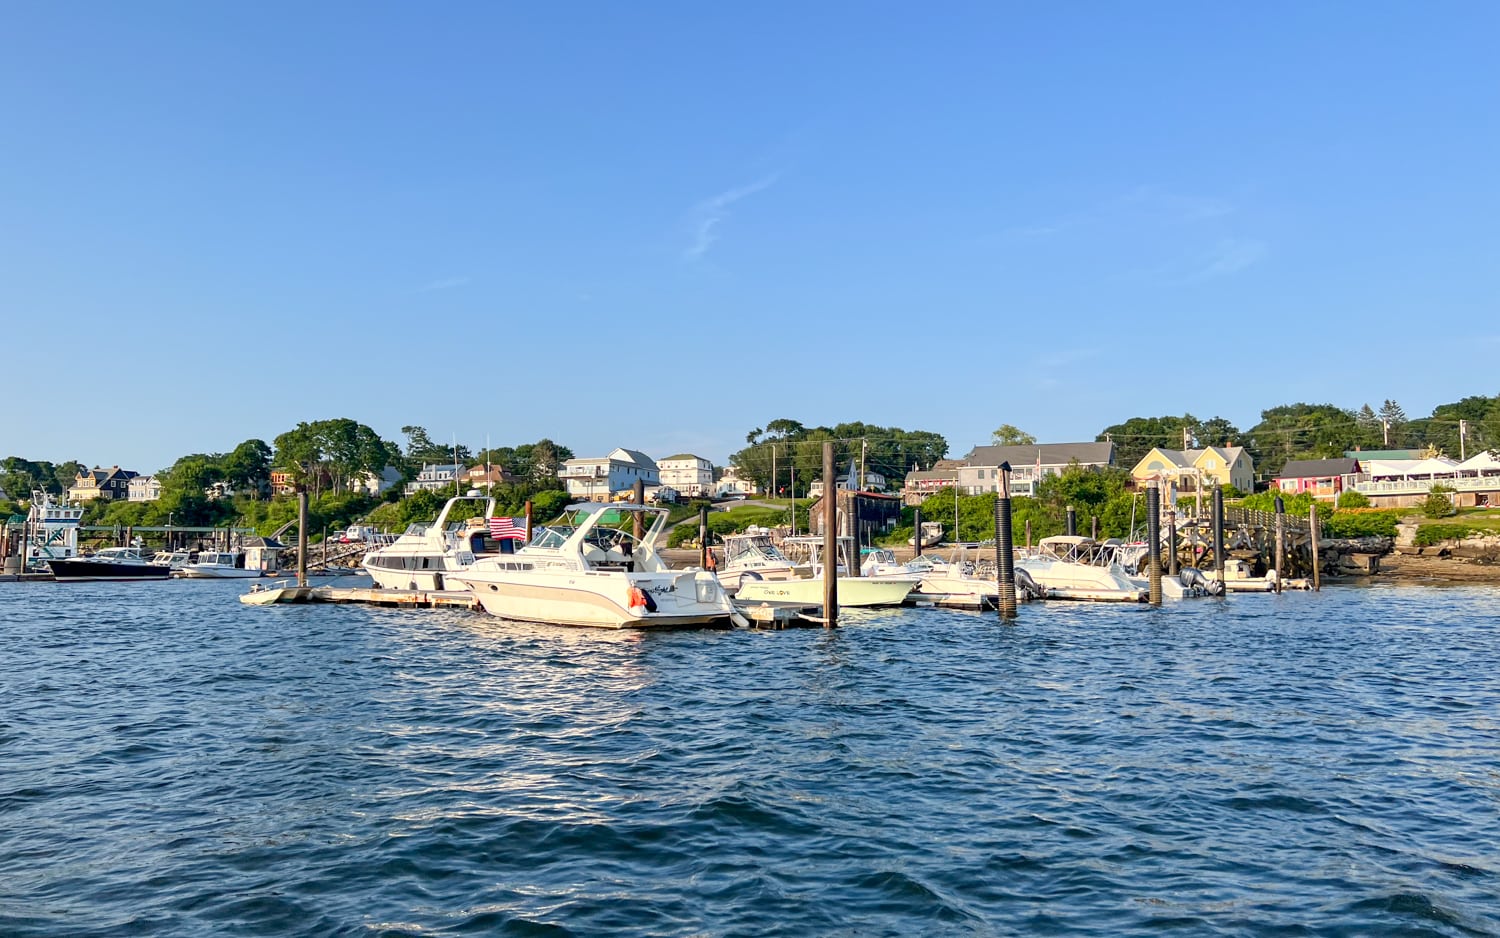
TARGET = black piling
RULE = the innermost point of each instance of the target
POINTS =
(1005, 561)
(1218, 534)
(705, 556)
(1153, 538)
(1072, 521)
(917, 538)
(830, 540)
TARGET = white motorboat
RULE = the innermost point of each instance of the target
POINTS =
(1187, 583)
(111, 563)
(422, 557)
(939, 582)
(173, 560)
(217, 565)
(1067, 566)
(591, 570)
(753, 555)
(808, 591)
(932, 534)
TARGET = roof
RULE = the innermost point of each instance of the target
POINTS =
(682, 456)
(1318, 468)
(1048, 454)
(1183, 458)
(1484, 459)
(1440, 465)
(931, 475)
(1369, 454)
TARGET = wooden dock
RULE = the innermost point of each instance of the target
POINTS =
(401, 599)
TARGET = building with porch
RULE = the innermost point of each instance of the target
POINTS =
(692, 476)
(112, 484)
(437, 477)
(143, 489)
(597, 479)
(1215, 465)
(1406, 483)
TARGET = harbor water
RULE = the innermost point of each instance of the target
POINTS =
(175, 763)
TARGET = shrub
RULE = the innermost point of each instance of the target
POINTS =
(1430, 534)
(1438, 504)
(1353, 499)
(1360, 524)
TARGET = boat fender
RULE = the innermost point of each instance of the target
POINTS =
(640, 598)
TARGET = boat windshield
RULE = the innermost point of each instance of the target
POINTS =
(551, 536)
(757, 546)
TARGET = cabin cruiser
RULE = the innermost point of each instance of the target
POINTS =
(217, 565)
(852, 590)
(754, 556)
(173, 560)
(938, 581)
(1068, 566)
(111, 563)
(1188, 583)
(422, 557)
(589, 569)
(932, 534)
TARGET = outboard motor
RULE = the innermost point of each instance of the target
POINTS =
(1192, 578)
(1029, 587)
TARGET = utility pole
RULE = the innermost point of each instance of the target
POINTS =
(1463, 434)
(864, 444)
(1385, 432)
(1185, 445)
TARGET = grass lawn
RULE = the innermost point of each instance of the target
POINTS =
(1480, 519)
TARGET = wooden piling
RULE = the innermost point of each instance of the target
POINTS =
(638, 519)
(1028, 535)
(528, 523)
(301, 537)
(704, 556)
(1005, 560)
(1094, 527)
(1313, 532)
(1153, 538)
(1172, 560)
(830, 540)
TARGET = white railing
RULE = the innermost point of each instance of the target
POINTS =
(1422, 486)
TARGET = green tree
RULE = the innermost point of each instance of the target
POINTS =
(1009, 435)
(248, 467)
(1393, 419)
(1301, 431)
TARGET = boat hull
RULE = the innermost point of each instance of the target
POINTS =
(219, 573)
(853, 591)
(85, 570)
(601, 599)
(411, 579)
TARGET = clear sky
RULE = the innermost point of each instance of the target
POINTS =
(660, 225)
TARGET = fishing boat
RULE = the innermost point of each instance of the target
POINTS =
(590, 569)
(217, 565)
(1067, 566)
(423, 556)
(50, 532)
(808, 591)
(932, 534)
(111, 563)
(753, 555)
(939, 582)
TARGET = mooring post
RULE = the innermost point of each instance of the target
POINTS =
(301, 536)
(1153, 537)
(1218, 527)
(638, 519)
(1005, 559)
(1028, 535)
(1172, 542)
(703, 552)
(1094, 527)
(1072, 521)
(830, 541)
(1312, 522)
(1280, 542)
(528, 523)
(917, 520)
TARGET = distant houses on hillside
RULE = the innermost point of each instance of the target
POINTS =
(979, 471)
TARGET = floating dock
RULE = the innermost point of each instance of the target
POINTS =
(404, 599)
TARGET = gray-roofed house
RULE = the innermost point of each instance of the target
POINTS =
(595, 479)
(1029, 464)
(1323, 478)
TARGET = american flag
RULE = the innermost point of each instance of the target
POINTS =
(503, 528)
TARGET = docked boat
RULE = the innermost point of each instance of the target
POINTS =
(939, 582)
(217, 565)
(111, 563)
(1069, 566)
(754, 556)
(422, 557)
(589, 569)
(932, 534)
(173, 560)
(50, 532)
(808, 591)
(1187, 583)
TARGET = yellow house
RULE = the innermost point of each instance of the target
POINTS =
(1220, 465)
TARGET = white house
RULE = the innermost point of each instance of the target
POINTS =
(690, 475)
(732, 483)
(434, 478)
(144, 489)
(596, 479)
(979, 472)
(377, 485)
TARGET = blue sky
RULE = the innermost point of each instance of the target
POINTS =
(652, 224)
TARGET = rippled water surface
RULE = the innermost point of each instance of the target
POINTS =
(174, 763)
